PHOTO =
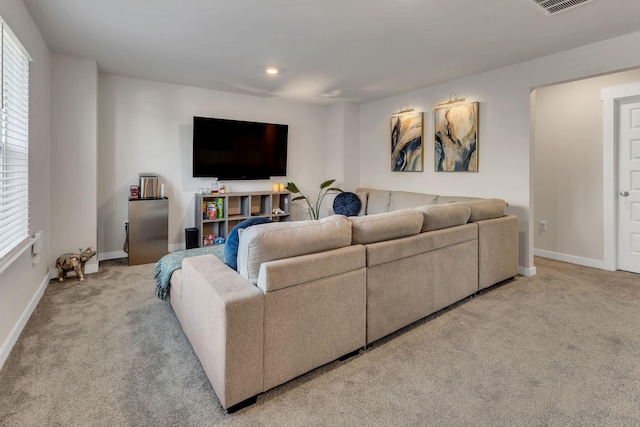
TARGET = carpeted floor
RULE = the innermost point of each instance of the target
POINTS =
(561, 348)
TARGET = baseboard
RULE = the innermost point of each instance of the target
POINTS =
(103, 256)
(527, 271)
(11, 340)
(177, 247)
(587, 262)
(88, 269)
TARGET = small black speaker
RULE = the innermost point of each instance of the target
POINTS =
(191, 237)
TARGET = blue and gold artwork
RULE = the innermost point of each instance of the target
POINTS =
(406, 143)
(456, 138)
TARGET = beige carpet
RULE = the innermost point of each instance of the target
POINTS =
(561, 348)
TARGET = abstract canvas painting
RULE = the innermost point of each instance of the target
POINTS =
(456, 141)
(406, 143)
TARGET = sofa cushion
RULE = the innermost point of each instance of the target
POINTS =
(385, 226)
(364, 197)
(393, 250)
(269, 242)
(486, 209)
(405, 199)
(231, 245)
(378, 201)
(347, 204)
(284, 273)
(451, 199)
(437, 217)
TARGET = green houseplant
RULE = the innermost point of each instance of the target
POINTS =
(314, 210)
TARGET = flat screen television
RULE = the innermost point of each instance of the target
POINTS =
(234, 150)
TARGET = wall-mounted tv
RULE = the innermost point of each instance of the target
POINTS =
(234, 150)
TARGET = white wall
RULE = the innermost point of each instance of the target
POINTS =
(343, 150)
(351, 146)
(23, 283)
(145, 126)
(504, 142)
(74, 119)
(343, 142)
(335, 143)
(568, 171)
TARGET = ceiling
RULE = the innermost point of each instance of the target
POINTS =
(328, 51)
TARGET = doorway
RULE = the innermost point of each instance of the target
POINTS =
(621, 109)
(575, 169)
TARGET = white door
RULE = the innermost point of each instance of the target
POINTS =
(629, 185)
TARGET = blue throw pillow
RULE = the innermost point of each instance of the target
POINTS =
(231, 245)
(347, 204)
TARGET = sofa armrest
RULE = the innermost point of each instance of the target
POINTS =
(498, 250)
(314, 311)
(224, 315)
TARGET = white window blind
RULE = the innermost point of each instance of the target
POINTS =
(14, 142)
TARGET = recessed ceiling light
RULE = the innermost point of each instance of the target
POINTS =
(272, 71)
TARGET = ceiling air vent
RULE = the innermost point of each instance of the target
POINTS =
(551, 7)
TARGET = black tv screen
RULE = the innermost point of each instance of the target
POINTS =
(233, 150)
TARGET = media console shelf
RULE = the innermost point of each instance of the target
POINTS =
(236, 207)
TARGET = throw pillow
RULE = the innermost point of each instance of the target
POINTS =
(231, 245)
(347, 204)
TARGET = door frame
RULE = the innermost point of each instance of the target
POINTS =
(611, 96)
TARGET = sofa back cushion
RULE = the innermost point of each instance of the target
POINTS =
(486, 209)
(385, 226)
(231, 245)
(364, 198)
(451, 199)
(269, 242)
(437, 217)
(405, 199)
(287, 272)
(377, 200)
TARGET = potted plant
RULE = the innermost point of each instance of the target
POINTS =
(314, 210)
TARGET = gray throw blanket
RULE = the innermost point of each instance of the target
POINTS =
(173, 261)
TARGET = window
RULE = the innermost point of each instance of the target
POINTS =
(14, 142)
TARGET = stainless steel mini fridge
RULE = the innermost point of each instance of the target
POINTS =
(148, 230)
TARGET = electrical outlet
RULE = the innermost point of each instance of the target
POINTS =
(543, 225)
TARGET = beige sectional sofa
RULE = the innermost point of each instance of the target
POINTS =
(309, 292)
